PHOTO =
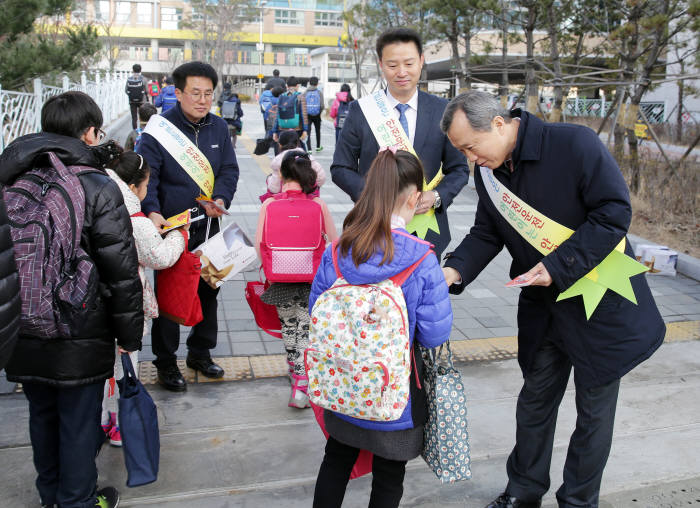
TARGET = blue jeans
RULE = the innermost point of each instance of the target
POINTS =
(64, 427)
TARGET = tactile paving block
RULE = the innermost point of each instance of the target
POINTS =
(236, 368)
(269, 366)
(682, 330)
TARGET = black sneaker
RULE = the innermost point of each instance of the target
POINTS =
(171, 379)
(107, 498)
(206, 366)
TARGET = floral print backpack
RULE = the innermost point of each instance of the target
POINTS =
(359, 355)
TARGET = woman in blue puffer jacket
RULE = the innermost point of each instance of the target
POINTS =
(375, 246)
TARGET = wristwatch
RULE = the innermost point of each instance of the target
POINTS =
(438, 201)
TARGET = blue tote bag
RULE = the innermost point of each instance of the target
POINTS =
(138, 424)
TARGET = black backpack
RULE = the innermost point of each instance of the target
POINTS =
(134, 88)
(229, 109)
(343, 110)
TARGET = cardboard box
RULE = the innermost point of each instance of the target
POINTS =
(660, 260)
(229, 252)
(639, 249)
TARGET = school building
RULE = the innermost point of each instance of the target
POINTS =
(155, 34)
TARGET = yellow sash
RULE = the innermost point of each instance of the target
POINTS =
(186, 153)
(388, 132)
(546, 234)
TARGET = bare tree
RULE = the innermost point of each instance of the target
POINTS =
(219, 26)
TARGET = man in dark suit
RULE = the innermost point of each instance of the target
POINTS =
(565, 173)
(400, 53)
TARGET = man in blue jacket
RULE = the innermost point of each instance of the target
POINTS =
(170, 191)
(400, 53)
(565, 173)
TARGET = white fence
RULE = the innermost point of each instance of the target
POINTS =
(654, 111)
(20, 112)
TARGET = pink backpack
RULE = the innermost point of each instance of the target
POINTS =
(293, 238)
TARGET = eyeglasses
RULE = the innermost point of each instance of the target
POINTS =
(101, 134)
(198, 95)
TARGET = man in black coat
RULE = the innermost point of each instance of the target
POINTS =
(10, 305)
(400, 53)
(565, 173)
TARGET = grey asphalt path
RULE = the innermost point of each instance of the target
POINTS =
(239, 445)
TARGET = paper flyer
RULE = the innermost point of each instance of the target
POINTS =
(207, 203)
(521, 281)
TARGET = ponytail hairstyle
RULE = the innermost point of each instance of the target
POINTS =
(296, 167)
(131, 167)
(367, 228)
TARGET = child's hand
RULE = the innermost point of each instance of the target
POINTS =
(158, 221)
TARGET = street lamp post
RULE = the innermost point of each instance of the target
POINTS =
(261, 46)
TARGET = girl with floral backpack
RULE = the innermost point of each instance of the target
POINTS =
(374, 248)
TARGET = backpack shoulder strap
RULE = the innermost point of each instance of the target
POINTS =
(402, 276)
(334, 252)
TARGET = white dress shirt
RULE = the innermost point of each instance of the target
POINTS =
(411, 113)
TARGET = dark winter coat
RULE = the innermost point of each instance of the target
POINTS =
(427, 303)
(170, 189)
(567, 174)
(107, 239)
(357, 147)
(10, 304)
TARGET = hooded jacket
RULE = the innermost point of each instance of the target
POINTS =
(167, 98)
(339, 97)
(427, 303)
(107, 239)
(10, 304)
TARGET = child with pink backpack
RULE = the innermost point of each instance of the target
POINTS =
(289, 141)
(293, 228)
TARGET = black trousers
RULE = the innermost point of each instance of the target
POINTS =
(536, 415)
(134, 106)
(64, 427)
(315, 120)
(165, 334)
(387, 478)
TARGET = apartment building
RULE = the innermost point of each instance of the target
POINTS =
(154, 34)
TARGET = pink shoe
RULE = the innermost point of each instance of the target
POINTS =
(115, 437)
(107, 427)
(299, 398)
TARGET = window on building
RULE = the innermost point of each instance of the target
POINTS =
(143, 13)
(328, 19)
(123, 12)
(78, 13)
(102, 11)
(170, 18)
(286, 17)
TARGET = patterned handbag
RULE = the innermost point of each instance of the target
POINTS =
(446, 441)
